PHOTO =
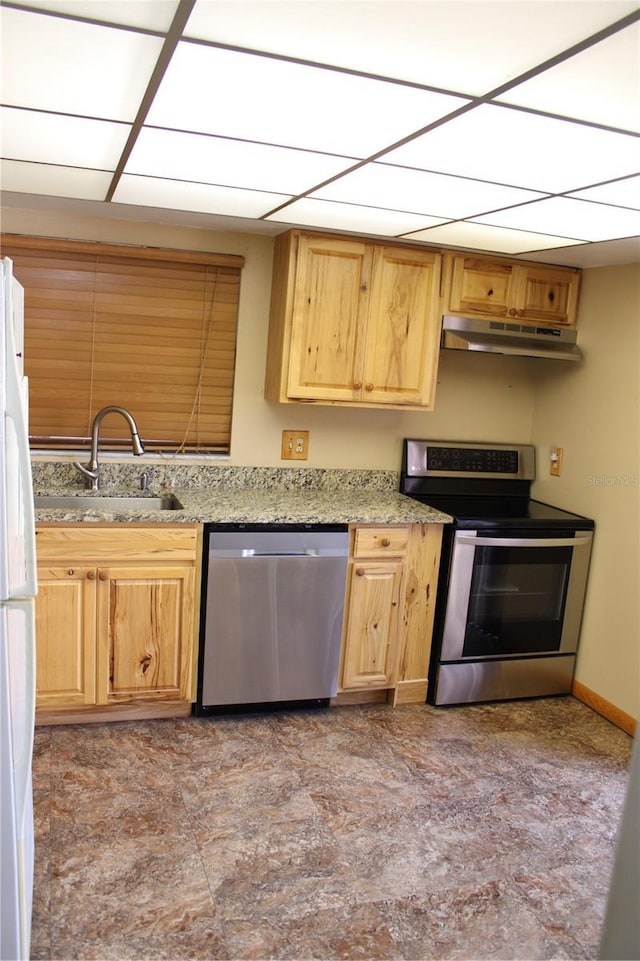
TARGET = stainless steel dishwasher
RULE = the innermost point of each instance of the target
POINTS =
(272, 620)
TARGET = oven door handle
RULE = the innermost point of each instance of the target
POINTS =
(523, 541)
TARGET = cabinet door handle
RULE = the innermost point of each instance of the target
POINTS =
(385, 541)
(513, 312)
(369, 387)
(91, 575)
(357, 384)
(360, 571)
(103, 576)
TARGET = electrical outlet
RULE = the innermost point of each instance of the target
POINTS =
(295, 444)
(555, 461)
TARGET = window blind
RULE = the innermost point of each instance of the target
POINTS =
(148, 329)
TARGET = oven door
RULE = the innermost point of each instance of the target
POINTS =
(514, 596)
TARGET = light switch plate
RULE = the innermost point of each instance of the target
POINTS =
(555, 461)
(295, 444)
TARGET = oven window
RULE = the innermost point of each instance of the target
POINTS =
(517, 600)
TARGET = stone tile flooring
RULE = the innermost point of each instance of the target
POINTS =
(479, 832)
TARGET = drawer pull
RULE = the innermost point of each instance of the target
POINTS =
(360, 571)
(357, 384)
(385, 541)
(91, 575)
(103, 576)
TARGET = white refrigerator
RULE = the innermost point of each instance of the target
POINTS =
(18, 586)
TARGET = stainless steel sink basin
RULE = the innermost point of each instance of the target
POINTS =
(102, 502)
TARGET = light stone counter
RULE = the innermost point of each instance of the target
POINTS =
(254, 506)
(224, 495)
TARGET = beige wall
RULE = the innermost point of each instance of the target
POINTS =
(478, 398)
(592, 411)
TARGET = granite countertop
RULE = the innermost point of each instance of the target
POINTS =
(237, 495)
(255, 506)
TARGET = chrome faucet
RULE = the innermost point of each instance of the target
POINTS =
(91, 472)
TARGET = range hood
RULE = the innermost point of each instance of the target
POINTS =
(505, 337)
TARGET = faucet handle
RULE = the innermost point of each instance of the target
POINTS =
(91, 476)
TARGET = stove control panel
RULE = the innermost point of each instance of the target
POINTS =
(473, 460)
(425, 458)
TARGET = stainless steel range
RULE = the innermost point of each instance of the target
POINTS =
(512, 578)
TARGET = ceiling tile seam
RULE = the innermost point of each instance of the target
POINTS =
(563, 118)
(380, 153)
(198, 183)
(498, 227)
(78, 18)
(567, 54)
(172, 38)
(534, 71)
(321, 65)
(245, 140)
(66, 114)
(547, 194)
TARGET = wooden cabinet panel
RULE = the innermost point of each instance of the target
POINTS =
(549, 294)
(378, 541)
(144, 640)
(65, 636)
(403, 328)
(512, 290)
(371, 645)
(110, 632)
(391, 597)
(329, 314)
(480, 286)
(353, 323)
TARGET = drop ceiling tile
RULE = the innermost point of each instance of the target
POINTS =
(623, 193)
(204, 198)
(474, 236)
(344, 216)
(569, 88)
(401, 188)
(516, 147)
(278, 102)
(134, 13)
(40, 178)
(53, 64)
(68, 141)
(233, 163)
(570, 218)
(469, 46)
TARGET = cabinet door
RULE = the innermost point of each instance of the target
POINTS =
(483, 287)
(371, 638)
(65, 636)
(403, 328)
(548, 295)
(145, 639)
(329, 317)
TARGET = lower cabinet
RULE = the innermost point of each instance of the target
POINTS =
(391, 588)
(116, 616)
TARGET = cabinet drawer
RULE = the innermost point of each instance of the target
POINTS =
(73, 543)
(380, 541)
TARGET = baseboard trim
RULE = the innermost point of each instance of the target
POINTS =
(600, 705)
(373, 696)
(129, 711)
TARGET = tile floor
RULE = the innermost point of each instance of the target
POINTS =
(363, 832)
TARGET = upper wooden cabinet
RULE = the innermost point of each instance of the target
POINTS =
(511, 290)
(353, 322)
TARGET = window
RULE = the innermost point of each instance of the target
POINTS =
(148, 329)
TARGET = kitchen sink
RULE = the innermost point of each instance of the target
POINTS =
(103, 502)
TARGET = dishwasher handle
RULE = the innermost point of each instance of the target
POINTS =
(252, 552)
